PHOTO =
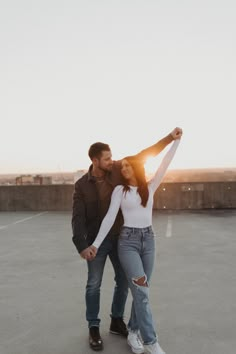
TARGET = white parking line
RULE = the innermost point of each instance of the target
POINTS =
(3, 227)
(169, 227)
(22, 220)
(18, 337)
(10, 254)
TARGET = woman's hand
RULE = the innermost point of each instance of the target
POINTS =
(177, 133)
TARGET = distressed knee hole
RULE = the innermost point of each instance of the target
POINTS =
(140, 281)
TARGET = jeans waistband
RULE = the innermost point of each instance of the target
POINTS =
(135, 229)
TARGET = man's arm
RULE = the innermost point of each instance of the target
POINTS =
(78, 221)
(155, 149)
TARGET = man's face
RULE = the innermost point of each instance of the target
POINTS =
(105, 161)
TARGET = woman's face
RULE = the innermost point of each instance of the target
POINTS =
(126, 170)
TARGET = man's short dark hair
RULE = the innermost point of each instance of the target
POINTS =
(96, 150)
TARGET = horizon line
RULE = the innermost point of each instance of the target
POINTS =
(86, 169)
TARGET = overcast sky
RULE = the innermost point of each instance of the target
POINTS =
(122, 72)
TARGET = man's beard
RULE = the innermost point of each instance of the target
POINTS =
(107, 169)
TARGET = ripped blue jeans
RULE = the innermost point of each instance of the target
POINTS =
(136, 250)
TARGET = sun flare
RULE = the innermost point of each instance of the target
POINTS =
(151, 166)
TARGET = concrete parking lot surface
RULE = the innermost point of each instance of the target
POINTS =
(193, 288)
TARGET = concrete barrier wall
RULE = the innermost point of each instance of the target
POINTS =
(219, 195)
(40, 198)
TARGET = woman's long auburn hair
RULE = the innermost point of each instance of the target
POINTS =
(139, 173)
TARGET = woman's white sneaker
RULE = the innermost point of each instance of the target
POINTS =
(135, 343)
(153, 349)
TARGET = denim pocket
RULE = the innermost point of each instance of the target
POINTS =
(126, 233)
(149, 234)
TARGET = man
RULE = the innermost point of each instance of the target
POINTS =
(91, 200)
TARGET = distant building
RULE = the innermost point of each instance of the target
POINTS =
(42, 179)
(24, 179)
(29, 179)
(229, 175)
(79, 174)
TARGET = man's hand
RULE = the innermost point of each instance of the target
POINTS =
(93, 249)
(177, 133)
(88, 253)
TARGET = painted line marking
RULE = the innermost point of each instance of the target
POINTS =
(169, 227)
(22, 220)
(9, 254)
(18, 337)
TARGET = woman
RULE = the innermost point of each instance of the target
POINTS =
(136, 245)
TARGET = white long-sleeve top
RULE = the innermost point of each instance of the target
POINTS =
(134, 214)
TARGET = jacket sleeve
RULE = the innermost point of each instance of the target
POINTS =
(78, 222)
(155, 149)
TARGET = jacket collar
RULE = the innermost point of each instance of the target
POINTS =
(91, 178)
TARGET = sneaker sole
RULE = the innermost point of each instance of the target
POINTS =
(135, 351)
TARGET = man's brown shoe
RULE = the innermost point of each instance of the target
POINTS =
(95, 340)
